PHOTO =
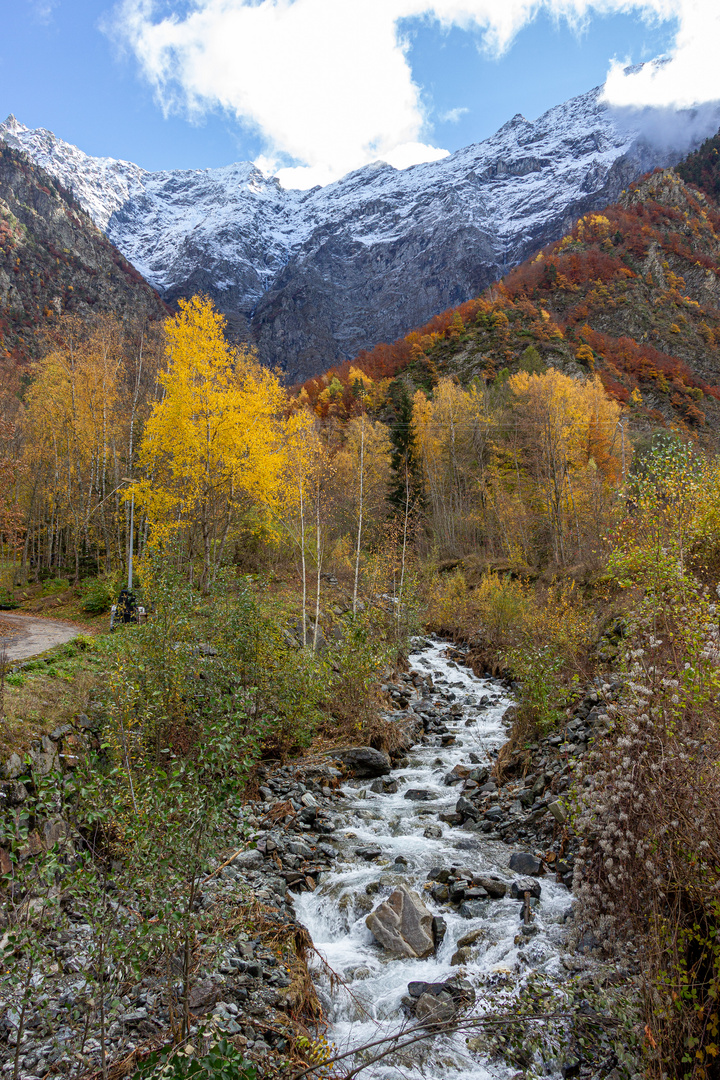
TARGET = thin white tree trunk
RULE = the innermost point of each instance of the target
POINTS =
(319, 563)
(360, 514)
(301, 485)
(404, 543)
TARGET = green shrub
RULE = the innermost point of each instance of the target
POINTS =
(96, 597)
(55, 585)
(85, 643)
(222, 1062)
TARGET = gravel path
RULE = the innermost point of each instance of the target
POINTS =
(24, 636)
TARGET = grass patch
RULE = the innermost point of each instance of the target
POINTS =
(49, 691)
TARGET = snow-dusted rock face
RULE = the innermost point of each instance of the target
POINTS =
(314, 276)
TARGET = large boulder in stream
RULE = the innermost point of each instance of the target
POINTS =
(403, 925)
(364, 761)
(524, 862)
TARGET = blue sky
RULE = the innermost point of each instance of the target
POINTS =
(60, 70)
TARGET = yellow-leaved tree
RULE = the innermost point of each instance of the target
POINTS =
(75, 436)
(212, 448)
(301, 510)
(450, 432)
(567, 461)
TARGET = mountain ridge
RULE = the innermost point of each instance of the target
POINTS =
(312, 277)
(54, 259)
(631, 293)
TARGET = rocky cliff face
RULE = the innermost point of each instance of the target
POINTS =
(314, 276)
(54, 259)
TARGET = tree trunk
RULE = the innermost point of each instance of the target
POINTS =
(302, 558)
(360, 513)
(319, 562)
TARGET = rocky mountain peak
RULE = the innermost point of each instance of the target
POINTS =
(312, 277)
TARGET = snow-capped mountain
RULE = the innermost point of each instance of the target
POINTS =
(314, 276)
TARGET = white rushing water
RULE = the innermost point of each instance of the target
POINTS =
(369, 1004)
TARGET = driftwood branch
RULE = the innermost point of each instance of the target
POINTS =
(420, 1032)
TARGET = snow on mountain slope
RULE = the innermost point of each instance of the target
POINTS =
(314, 276)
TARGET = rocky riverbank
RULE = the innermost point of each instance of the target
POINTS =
(299, 838)
(451, 895)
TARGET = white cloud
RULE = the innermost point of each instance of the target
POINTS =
(453, 115)
(42, 10)
(691, 76)
(328, 84)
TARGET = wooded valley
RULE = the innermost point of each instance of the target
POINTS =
(534, 477)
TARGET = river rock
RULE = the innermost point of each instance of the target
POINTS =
(439, 929)
(523, 862)
(466, 809)
(402, 924)
(384, 787)
(457, 775)
(493, 886)
(417, 988)
(369, 854)
(419, 795)
(435, 1010)
(476, 893)
(298, 847)
(522, 885)
(471, 909)
(471, 937)
(365, 761)
(438, 873)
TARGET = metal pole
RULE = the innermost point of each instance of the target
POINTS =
(132, 529)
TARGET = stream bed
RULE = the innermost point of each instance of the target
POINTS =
(386, 840)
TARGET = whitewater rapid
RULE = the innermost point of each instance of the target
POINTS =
(368, 1002)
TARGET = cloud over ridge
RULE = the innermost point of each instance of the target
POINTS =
(328, 85)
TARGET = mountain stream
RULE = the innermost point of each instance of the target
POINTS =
(368, 1004)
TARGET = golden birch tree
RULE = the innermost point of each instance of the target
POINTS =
(212, 446)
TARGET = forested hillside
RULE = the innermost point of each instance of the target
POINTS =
(631, 293)
(702, 168)
(53, 259)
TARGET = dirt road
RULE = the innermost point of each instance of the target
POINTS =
(24, 636)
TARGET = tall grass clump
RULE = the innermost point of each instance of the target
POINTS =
(648, 804)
